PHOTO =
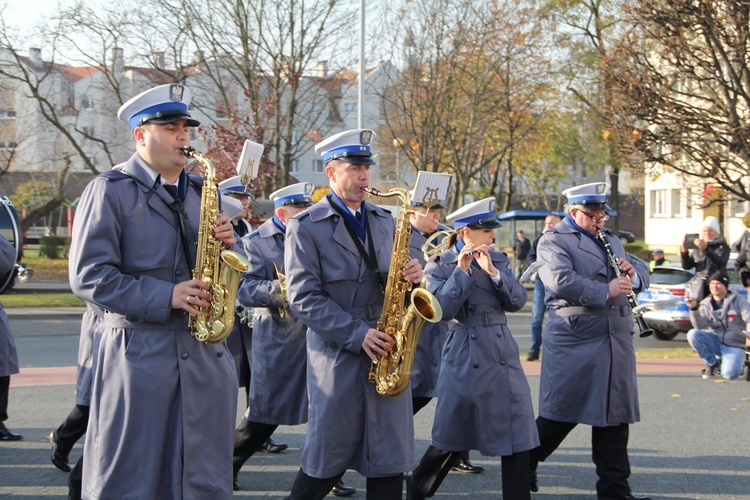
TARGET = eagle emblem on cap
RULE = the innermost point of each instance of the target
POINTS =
(365, 136)
(176, 92)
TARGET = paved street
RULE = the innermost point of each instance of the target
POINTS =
(692, 442)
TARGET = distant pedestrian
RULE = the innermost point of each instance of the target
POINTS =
(521, 249)
(8, 354)
(658, 259)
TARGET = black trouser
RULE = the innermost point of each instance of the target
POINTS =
(72, 429)
(75, 480)
(378, 488)
(609, 452)
(436, 464)
(248, 438)
(4, 390)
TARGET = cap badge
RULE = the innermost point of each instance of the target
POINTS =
(176, 92)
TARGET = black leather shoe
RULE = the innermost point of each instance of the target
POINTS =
(6, 435)
(465, 465)
(412, 493)
(630, 496)
(235, 482)
(533, 483)
(533, 356)
(342, 490)
(270, 447)
(58, 459)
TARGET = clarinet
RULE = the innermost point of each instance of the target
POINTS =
(642, 326)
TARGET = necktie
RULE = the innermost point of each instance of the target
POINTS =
(358, 216)
(172, 190)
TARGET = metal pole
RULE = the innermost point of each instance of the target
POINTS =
(361, 91)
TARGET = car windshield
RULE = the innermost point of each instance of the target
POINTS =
(668, 276)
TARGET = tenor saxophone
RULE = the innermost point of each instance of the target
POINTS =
(217, 267)
(392, 372)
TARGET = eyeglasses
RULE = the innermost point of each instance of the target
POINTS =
(595, 218)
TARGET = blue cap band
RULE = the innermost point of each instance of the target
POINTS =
(168, 108)
(474, 218)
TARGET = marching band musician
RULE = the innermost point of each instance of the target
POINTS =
(337, 258)
(588, 369)
(8, 353)
(240, 340)
(424, 374)
(484, 401)
(278, 386)
(163, 404)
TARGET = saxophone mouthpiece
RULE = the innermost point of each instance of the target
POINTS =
(188, 151)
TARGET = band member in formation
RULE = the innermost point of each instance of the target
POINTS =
(424, 375)
(484, 400)
(588, 369)
(278, 386)
(240, 340)
(8, 354)
(337, 258)
(163, 404)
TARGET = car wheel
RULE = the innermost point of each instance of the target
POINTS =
(664, 335)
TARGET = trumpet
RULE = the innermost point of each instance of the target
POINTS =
(642, 325)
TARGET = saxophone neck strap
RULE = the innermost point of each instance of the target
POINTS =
(371, 258)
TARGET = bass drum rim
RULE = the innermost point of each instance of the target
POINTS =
(9, 221)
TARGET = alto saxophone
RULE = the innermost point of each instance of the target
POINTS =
(392, 372)
(220, 269)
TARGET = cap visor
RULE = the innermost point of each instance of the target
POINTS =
(356, 160)
(171, 119)
(490, 224)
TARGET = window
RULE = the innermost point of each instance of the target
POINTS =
(349, 107)
(87, 103)
(7, 114)
(318, 166)
(295, 167)
(659, 204)
(88, 132)
(679, 203)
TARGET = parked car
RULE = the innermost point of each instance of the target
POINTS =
(626, 236)
(667, 285)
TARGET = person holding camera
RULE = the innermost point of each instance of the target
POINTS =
(710, 253)
(718, 325)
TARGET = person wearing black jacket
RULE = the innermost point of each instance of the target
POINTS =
(710, 254)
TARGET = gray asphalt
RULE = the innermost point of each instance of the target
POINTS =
(693, 442)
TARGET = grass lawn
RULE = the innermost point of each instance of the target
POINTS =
(13, 300)
(45, 268)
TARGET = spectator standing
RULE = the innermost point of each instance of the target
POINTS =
(658, 259)
(710, 254)
(521, 249)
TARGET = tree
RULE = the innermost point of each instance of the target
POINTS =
(473, 89)
(690, 85)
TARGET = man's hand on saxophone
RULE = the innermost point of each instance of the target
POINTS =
(377, 343)
(224, 231)
(413, 271)
(190, 295)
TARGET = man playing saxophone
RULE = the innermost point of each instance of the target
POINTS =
(163, 405)
(278, 385)
(337, 257)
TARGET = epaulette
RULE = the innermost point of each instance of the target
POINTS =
(252, 235)
(552, 230)
(301, 215)
(114, 175)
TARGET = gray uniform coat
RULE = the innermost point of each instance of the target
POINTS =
(484, 400)
(278, 386)
(424, 374)
(163, 405)
(335, 294)
(8, 353)
(588, 369)
(88, 345)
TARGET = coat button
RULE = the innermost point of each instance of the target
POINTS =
(361, 281)
(476, 366)
(333, 345)
(473, 337)
(133, 318)
(502, 363)
(185, 355)
(178, 273)
(454, 293)
(499, 334)
(584, 301)
(219, 354)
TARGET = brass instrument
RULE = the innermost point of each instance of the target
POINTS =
(642, 325)
(391, 373)
(430, 247)
(282, 286)
(220, 269)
